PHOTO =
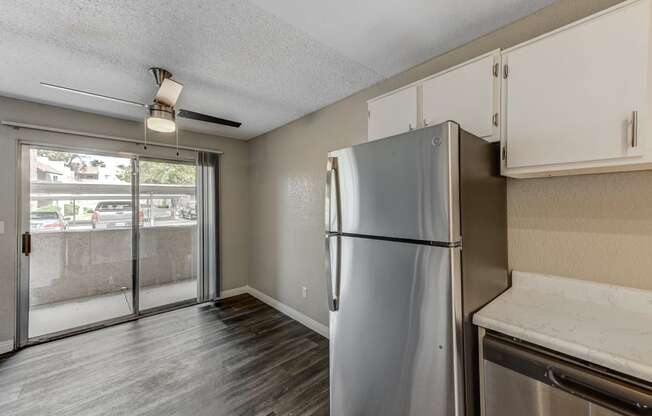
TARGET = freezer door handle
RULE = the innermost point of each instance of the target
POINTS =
(333, 290)
(607, 393)
(333, 185)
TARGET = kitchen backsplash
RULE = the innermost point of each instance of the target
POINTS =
(592, 227)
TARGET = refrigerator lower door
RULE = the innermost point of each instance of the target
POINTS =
(393, 334)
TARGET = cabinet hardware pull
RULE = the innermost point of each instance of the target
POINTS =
(634, 128)
(425, 122)
(496, 69)
(505, 71)
(410, 127)
(494, 119)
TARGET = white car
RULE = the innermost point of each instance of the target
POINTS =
(45, 221)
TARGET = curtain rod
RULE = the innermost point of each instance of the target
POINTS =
(102, 136)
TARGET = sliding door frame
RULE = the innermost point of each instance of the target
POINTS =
(135, 236)
(22, 338)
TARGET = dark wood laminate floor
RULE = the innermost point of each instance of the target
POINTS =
(239, 357)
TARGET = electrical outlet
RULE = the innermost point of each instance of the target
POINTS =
(304, 292)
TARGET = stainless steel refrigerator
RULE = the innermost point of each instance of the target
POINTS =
(415, 243)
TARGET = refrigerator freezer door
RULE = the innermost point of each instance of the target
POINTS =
(393, 342)
(404, 186)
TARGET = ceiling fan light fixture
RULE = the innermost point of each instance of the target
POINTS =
(161, 119)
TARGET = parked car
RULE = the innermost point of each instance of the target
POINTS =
(188, 211)
(113, 214)
(42, 221)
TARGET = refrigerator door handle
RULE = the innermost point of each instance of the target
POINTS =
(333, 291)
(333, 183)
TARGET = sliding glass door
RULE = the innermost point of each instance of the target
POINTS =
(105, 237)
(168, 236)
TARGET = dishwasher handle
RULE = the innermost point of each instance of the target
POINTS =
(597, 389)
(593, 386)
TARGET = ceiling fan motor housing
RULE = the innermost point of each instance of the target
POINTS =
(160, 74)
(161, 111)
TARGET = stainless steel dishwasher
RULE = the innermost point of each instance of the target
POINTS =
(520, 379)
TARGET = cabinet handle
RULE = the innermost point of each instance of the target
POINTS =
(425, 122)
(634, 128)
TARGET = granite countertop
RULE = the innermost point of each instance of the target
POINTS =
(603, 324)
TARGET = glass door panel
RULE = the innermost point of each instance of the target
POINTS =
(79, 219)
(168, 244)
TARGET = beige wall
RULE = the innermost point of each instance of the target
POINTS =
(594, 227)
(234, 190)
(591, 227)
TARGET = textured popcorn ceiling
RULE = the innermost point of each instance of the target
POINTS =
(390, 36)
(261, 62)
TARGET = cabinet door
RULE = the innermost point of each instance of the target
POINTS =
(392, 114)
(465, 94)
(569, 96)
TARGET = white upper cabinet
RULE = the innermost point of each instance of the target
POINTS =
(392, 114)
(468, 94)
(576, 99)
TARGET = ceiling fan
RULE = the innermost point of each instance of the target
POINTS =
(161, 114)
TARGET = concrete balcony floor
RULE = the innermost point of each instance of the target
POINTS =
(60, 316)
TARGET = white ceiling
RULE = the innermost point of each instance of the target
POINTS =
(262, 62)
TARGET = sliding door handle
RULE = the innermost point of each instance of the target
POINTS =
(333, 191)
(333, 282)
(634, 128)
(27, 243)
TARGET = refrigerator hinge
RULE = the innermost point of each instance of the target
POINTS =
(505, 71)
(496, 69)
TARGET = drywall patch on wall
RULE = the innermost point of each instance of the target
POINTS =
(593, 227)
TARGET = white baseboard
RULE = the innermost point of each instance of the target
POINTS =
(6, 346)
(233, 292)
(318, 327)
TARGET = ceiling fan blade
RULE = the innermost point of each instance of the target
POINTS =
(168, 93)
(92, 94)
(208, 119)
